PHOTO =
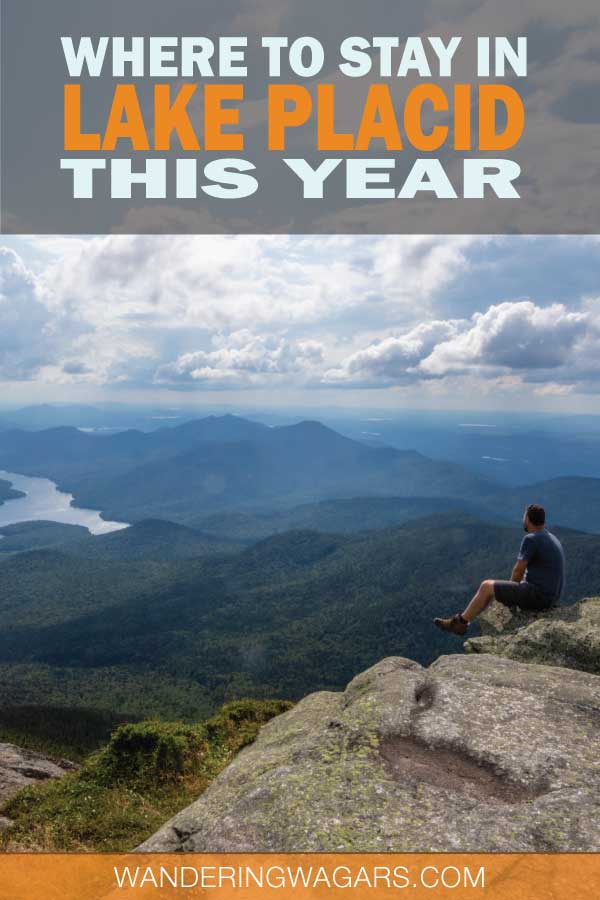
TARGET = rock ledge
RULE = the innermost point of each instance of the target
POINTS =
(475, 753)
(567, 636)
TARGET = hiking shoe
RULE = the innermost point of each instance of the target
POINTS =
(455, 625)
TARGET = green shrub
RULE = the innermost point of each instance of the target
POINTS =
(145, 751)
(237, 723)
(124, 792)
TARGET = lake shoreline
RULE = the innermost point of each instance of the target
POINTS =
(29, 498)
(9, 493)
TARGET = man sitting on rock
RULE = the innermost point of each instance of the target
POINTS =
(537, 579)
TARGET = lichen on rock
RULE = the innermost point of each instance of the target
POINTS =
(566, 636)
(475, 753)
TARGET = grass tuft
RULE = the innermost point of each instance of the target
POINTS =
(126, 790)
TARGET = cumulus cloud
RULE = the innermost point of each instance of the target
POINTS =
(241, 360)
(518, 337)
(28, 339)
(435, 313)
(129, 306)
(47, 337)
(226, 283)
(392, 359)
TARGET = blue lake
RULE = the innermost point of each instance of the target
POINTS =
(44, 502)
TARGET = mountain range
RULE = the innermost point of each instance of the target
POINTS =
(513, 448)
(105, 417)
(224, 463)
(275, 478)
(262, 561)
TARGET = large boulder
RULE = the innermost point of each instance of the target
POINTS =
(476, 753)
(20, 768)
(566, 636)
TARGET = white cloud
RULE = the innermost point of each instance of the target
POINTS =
(554, 390)
(402, 313)
(125, 307)
(419, 266)
(243, 360)
(518, 336)
(228, 283)
(392, 359)
(28, 338)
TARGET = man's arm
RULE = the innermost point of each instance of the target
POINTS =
(518, 572)
(526, 554)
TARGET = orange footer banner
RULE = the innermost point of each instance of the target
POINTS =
(307, 876)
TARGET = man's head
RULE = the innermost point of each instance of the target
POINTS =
(534, 518)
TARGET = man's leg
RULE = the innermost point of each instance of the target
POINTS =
(459, 623)
(480, 601)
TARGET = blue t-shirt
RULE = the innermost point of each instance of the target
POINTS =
(545, 559)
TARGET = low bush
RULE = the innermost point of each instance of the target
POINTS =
(126, 790)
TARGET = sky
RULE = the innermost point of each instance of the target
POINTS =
(433, 322)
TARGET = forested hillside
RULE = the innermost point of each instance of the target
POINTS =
(38, 535)
(341, 516)
(7, 493)
(291, 614)
(151, 539)
(573, 502)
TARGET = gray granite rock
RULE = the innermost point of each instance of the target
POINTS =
(567, 636)
(19, 768)
(474, 753)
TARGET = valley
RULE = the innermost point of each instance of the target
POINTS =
(292, 613)
(263, 561)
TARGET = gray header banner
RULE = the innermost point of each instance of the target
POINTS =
(298, 116)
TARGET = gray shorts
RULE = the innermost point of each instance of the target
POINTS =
(523, 594)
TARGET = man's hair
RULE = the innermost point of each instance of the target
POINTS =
(536, 514)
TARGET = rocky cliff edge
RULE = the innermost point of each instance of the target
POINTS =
(477, 752)
(567, 636)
